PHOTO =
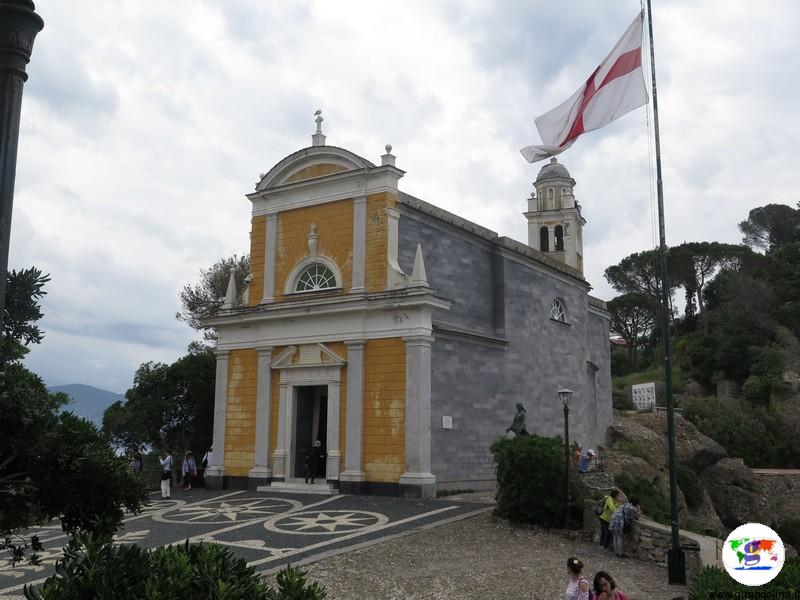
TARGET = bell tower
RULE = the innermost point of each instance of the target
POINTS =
(555, 224)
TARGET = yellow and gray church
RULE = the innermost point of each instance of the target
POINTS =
(399, 335)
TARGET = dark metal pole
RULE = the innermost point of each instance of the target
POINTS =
(19, 25)
(676, 562)
(566, 465)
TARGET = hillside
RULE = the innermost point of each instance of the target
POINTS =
(88, 401)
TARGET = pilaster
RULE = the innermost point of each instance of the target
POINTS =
(359, 243)
(418, 481)
(270, 251)
(280, 456)
(215, 472)
(352, 479)
(333, 451)
(260, 474)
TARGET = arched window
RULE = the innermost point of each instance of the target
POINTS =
(544, 239)
(315, 277)
(559, 238)
(557, 311)
(551, 199)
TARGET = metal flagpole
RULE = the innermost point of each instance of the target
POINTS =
(676, 562)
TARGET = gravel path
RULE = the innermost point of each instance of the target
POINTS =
(480, 557)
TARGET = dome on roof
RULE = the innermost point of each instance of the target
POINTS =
(552, 170)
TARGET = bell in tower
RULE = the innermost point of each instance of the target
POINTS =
(555, 224)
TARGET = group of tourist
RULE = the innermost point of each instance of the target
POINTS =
(616, 518)
(188, 470)
(602, 588)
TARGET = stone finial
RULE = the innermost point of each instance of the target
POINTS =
(230, 295)
(418, 276)
(313, 240)
(388, 158)
(318, 139)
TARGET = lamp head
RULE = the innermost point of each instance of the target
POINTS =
(564, 395)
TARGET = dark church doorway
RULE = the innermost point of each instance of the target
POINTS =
(311, 423)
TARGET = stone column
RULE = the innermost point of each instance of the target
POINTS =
(270, 249)
(333, 452)
(351, 480)
(359, 244)
(18, 28)
(260, 474)
(215, 472)
(418, 481)
(280, 456)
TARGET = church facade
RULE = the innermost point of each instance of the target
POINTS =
(399, 335)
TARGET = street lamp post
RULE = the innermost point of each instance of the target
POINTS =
(564, 395)
(19, 25)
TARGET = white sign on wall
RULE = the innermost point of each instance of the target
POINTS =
(447, 422)
(644, 395)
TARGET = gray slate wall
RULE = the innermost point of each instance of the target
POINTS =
(519, 353)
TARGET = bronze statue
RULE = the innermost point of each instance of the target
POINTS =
(518, 426)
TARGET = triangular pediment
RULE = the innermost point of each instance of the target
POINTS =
(307, 355)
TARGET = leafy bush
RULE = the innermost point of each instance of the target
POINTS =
(789, 531)
(713, 580)
(530, 481)
(634, 449)
(93, 568)
(654, 502)
(691, 486)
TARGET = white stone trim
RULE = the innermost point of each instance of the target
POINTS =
(270, 252)
(418, 412)
(354, 448)
(308, 157)
(359, 244)
(220, 411)
(261, 468)
(337, 186)
(395, 277)
(328, 375)
(291, 281)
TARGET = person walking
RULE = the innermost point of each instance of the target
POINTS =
(621, 520)
(136, 463)
(610, 503)
(605, 588)
(189, 469)
(313, 460)
(577, 586)
(166, 474)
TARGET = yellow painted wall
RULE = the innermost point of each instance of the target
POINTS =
(315, 171)
(377, 236)
(334, 221)
(240, 414)
(258, 230)
(384, 409)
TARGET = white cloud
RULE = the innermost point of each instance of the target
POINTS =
(145, 123)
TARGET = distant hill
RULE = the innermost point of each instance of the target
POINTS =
(87, 401)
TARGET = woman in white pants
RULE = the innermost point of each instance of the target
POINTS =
(166, 474)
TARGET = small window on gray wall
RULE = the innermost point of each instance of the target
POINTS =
(559, 238)
(544, 239)
(557, 311)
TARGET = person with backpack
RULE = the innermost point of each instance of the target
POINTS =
(577, 586)
(621, 521)
(604, 509)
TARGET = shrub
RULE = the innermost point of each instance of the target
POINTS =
(530, 480)
(634, 449)
(691, 486)
(93, 568)
(712, 581)
(789, 532)
(652, 498)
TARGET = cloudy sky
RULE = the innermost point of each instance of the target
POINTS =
(145, 122)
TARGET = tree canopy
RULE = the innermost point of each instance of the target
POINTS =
(203, 300)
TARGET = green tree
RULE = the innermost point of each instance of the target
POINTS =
(204, 300)
(24, 290)
(771, 226)
(169, 406)
(632, 317)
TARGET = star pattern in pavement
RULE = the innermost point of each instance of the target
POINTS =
(329, 522)
(228, 511)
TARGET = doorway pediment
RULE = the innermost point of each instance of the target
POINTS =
(307, 355)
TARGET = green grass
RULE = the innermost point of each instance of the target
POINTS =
(634, 449)
(679, 378)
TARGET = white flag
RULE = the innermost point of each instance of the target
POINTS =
(615, 88)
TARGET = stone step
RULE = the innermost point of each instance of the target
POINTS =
(299, 487)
